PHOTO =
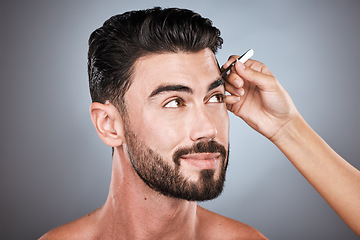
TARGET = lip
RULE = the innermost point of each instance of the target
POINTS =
(202, 160)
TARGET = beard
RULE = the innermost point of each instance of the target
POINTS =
(166, 179)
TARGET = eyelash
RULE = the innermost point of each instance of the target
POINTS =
(179, 101)
(220, 97)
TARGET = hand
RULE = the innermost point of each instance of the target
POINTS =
(257, 97)
(267, 107)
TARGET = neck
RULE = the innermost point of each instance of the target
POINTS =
(134, 211)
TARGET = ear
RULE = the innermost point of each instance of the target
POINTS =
(108, 123)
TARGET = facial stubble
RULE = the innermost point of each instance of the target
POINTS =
(168, 180)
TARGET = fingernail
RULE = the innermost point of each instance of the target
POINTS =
(237, 83)
(242, 92)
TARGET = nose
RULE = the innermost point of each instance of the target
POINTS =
(203, 127)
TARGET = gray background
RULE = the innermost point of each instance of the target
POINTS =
(55, 169)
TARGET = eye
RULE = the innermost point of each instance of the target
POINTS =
(217, 98)
(176, 103)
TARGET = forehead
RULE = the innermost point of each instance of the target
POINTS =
(190, 69)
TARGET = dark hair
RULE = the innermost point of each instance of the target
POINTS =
(124, 38)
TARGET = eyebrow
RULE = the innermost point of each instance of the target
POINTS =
(182, 88)
(216, 83)
(170, 88)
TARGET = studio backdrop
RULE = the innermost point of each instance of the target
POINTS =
(55, 169)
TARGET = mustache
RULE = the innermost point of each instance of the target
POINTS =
(200, 147)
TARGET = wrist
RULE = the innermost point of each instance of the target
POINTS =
(291, 132)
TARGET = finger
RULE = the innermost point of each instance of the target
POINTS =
(234, 90)
(235, 80)
(258, 66)
(258, 74)
(230, 60)
(232, 99)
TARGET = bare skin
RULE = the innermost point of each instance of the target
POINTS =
(134, 211)
(267, 108)
(142, 214)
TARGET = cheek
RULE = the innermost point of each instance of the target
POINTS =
(222, 125)
(161, 134)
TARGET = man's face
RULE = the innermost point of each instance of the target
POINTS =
(177, 125)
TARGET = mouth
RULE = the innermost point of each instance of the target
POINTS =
(202, 160)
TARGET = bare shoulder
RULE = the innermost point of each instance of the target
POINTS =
(215, 226)
(81, 228)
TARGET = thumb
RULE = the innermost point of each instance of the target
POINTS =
(256, 73)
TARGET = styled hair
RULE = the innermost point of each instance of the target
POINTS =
(123, 39)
